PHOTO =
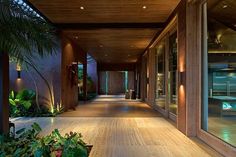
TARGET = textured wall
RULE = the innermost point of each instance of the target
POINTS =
(50, 68)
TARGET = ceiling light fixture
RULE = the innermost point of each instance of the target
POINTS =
(76, 37)
(82, 8)
(225, 6)
(144, 7)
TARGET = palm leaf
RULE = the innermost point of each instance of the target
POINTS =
(24, 33)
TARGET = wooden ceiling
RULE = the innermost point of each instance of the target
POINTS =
(108, 42)
(105, 11)
(113, 45)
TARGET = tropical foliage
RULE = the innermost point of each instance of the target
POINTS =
(23, 104)
(24, 34)
(29, 144)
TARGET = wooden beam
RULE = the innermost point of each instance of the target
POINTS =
(4, 92)
(86, 26)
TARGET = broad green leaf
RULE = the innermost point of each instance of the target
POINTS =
(12, 102)
(26, 104)
(36, 127)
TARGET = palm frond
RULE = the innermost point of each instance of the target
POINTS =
(24, 33)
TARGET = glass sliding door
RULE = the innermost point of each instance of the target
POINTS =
(172, 73)
(160, 92)
(219, 70)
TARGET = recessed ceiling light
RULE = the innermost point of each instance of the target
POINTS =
(82, 8)
(76, 37)
(144, 7)
(225, 6)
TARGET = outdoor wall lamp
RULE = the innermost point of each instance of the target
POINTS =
(181, 77)
(18, 69)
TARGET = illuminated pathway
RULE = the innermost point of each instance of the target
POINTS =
(136, 131)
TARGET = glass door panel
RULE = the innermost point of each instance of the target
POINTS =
(172, 84)
(160, 92)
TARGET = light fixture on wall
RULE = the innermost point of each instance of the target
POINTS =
(18, 69)
(181, 77)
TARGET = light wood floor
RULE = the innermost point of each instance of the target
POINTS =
(124, 136)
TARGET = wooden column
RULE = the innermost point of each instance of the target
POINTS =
(69, 93)
(143, 79)
(192, 68)
(152, 76)
(188, 64)
(181, 114)
(4, 92)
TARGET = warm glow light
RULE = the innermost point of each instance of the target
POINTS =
(82, 8)
(225, 6)
(18, 67)
(144, 7)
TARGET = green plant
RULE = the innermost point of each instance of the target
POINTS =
(29, 144)
(24, 35)
(21, 102)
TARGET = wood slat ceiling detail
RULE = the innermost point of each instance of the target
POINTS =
(120, 45)
(113, 45)
(105, 11)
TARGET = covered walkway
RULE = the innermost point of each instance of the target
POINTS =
(122, 128)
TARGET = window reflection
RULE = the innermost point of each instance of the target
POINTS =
(172, 86)
(220, 71)
(160, 74)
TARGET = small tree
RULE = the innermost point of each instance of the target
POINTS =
(24, 35)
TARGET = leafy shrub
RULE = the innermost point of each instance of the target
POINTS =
(23, 104)
(29, 144)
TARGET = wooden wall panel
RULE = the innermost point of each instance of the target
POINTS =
(131, 80)
(116, 82)
(102, 82)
